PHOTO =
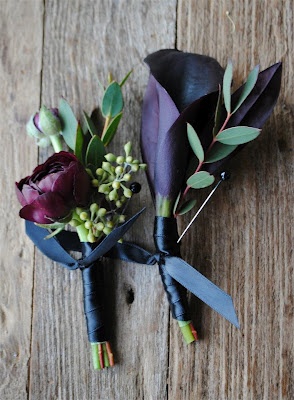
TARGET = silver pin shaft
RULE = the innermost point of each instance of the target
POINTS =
(224, 176)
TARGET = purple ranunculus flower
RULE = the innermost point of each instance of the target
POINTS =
(54, 189)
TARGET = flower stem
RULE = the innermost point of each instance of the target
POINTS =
(56, 142)
(106, 124)
(102, 355)
(188, 331)
(82, 233)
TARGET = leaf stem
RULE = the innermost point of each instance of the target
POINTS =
(56, 142)
(106, 124)
(208, 150)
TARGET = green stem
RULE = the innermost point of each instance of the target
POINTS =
(82, 233)
(186, 330)
(95, 356)
(163, 207)
(56, 142)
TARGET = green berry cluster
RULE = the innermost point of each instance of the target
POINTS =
(96, 221)
(112, 178)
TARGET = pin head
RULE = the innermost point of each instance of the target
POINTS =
(225, 175)
(135, 187)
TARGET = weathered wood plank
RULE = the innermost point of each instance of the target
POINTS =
(83, 41)
(243, 240)
(20, 68)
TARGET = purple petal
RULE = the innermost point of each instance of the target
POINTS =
(158, 114)
(185, 76)
(46, 208)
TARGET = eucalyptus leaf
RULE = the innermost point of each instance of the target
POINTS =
(111, 129)
(218, 152)
(79, 143)
(227, 82)
(218, 113)
(200, 180)
(112, 102)
(90, 124)
(248, 87)
(186, 207)
(195, 143)
(238, 135)
(125, 78)
(69, 123)
(95, 153)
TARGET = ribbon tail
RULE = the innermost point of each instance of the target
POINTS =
(202, 288)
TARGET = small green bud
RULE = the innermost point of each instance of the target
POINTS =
(99, 172)
(74, 223)
(121, 219)
(116, 185)
(104, 189)
(88, 224)
(94, 208)
(127, 177)
(120, 159)
(95, 182)
(135, 167)
(128, 148)
(99, 226)
(49, 123)
(84, 216)
(101, 212)
(109, 224)
(136, 162)
(91, 237)
(79, 210)
(107, 231)
(118, 204)
(110, 157)
(106, 166)
(119, 170)
(128, 193)
(143, 167)
(113, 196)
(129, 159)
(123, 199)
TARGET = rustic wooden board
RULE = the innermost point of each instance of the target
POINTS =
(242, 240)
(20, 67)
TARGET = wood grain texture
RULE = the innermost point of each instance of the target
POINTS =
(242, 241)
(20, 67)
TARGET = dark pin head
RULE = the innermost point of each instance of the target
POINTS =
(135, 187)
(225, 175)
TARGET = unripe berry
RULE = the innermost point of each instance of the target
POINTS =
(122, 218)
(104, 188)
(113, 196)
(128, 148)
(135, 167)
(120, 159)
(91, 237)
(101, 212)
(88, 224)
(107, 231)
(129, 159)
(99, 226)
(116, 185)
(128, 193)
(94, 208)
(95, 182)
(119, 170)
(127, 177)
(110, 157)
(99, 172)
(109, 224)
(84, 216)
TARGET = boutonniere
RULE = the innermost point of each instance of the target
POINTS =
(191, 125)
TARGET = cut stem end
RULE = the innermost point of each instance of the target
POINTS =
(102, 355)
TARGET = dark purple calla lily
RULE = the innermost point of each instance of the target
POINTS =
(54, 189)
(176, 82)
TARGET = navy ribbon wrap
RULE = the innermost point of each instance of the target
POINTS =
(173, 269)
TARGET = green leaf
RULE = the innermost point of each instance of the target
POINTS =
(248, 87)
(176, 203)
(218, 152)
(112, 102)
(79, 144)
(69, 123)
(90, 125)
(218, 114)
(238, 135)
(125, 78)
(227, 82)
(200, 180)
(95, 153)
(111, 129)
(195, 142)
(186, 207)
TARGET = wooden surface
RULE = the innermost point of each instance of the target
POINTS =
(242, 241)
